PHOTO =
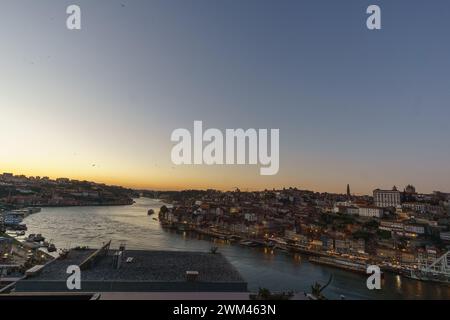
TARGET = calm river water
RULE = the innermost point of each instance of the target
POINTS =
(277, 271)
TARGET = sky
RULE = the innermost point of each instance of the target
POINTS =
(353, 106)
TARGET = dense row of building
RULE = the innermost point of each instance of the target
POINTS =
(43, 191)
(391, 225)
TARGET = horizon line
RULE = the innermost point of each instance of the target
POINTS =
(176, 189)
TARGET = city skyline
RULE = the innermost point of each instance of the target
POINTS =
(359, 107)
(346, 192)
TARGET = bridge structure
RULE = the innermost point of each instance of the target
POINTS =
(434, 268)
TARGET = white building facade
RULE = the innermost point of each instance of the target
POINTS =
(370, 212)
(386, 198)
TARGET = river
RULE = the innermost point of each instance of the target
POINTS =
(277, 271)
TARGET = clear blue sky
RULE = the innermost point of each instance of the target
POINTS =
(369, 108)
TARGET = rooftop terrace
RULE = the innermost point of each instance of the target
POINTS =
(148, 271)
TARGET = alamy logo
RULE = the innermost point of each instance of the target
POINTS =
(374, 20)
(374, 281)
(233, 151)
(74, 280)
(73, 21)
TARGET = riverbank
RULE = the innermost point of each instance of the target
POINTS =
(261, 267)
(346, 263)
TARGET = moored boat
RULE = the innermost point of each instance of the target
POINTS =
(35, 238)
(51, 247)
(248, 243)
(341, 263)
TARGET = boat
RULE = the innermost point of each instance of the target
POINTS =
(233, 238)
(277, 243)
(20, 233)
(18, 227)
(51, 247)
(35, 238)
(31, 245)
(280, 247)
(33, 210)
(183, 227)
(150, 212)
(39, 238)
(248, 243)
(346, 264)
(155, 219)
